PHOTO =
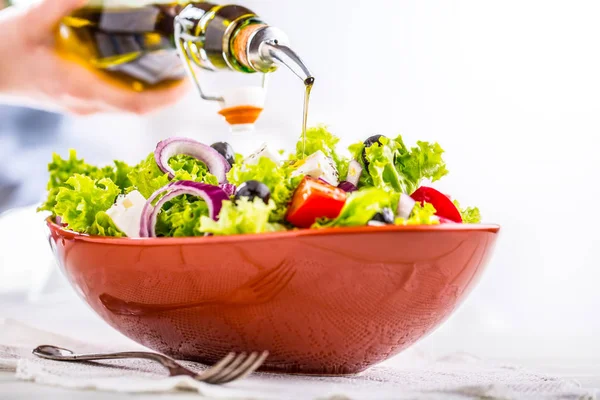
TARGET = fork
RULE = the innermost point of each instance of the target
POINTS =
(260, 289)
(231, 368)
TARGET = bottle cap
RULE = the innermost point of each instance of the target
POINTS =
(241, 107)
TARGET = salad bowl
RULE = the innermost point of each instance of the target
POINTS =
(329, 301)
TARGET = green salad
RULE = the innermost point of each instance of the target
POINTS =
(186, 188)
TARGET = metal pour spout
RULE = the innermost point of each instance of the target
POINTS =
(268, 47)
(288, 57)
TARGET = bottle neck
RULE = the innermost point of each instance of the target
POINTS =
(232, 37)
(240, 45)
(213, 35)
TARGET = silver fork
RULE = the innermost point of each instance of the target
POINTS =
(231, 368)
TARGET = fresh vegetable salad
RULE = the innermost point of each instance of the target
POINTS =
(187, 188)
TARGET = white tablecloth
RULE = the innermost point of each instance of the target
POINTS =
(458, 376)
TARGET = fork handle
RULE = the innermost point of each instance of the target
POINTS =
(170, 364)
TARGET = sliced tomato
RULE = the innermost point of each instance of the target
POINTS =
(315, 199)
(444, 207)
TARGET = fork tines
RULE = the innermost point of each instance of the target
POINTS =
(233, 367)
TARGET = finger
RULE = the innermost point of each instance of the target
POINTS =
(96, 88)
(48, 13)
(123, 100)
(82, 111)
(152, 100)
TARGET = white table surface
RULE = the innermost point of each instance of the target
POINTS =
(68, 315)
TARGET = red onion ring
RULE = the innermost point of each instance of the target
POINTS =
(212, 195)
(216, 163)
(228, 188)
(348, 187)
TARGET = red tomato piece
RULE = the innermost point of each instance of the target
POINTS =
(315, 199)
(444, 207)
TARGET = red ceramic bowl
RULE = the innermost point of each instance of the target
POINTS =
(333, 301)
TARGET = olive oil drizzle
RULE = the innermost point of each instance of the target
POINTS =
(308, 83)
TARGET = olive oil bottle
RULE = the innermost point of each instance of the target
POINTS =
(146, 45)
(142, 46)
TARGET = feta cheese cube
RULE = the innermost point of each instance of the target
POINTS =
(319, 166)
(354, 172)
(126, 213)
(263, 151)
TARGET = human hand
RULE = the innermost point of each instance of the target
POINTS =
(33, 73)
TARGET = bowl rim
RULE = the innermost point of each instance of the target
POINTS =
(71, 235)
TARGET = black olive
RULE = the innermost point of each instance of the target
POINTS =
(225, 150)
(368, 143)
(386, 216)
(252, 190)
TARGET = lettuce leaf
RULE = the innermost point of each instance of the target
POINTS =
(80, 201)
(104, 226)
(181, 217)
(422, 162)
(121, 177)
(62, 169)
(320, 138)
(470, 215)
(276, 177)
(394, 167)
(241, 217)
(360, 207)
(421, 215)
(190, 169)
(147, 178)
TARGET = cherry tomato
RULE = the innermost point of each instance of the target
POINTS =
(315, 199)
(444, 207)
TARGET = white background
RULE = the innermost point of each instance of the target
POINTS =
(511, 90)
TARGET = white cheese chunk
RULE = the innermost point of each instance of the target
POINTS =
(126, 213)
(354, 172)
(263, 151)
(319, 166)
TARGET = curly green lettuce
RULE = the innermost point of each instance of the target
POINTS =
(181, 217)
(81, 204)
(420, 215)
(360, 208)
(320, 138)
(62, 169)
(394, 167)
(104, 226)
(147, 177)
(74, 183)
(241, 217)
(278, 178)
(470, 215)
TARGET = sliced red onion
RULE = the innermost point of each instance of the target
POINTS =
(354, 172)
(216, 163)
(228, 188)
(144, 229)
(212, 195)
(348, 186)
(405, 206)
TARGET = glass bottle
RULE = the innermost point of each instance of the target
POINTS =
(148, 45)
